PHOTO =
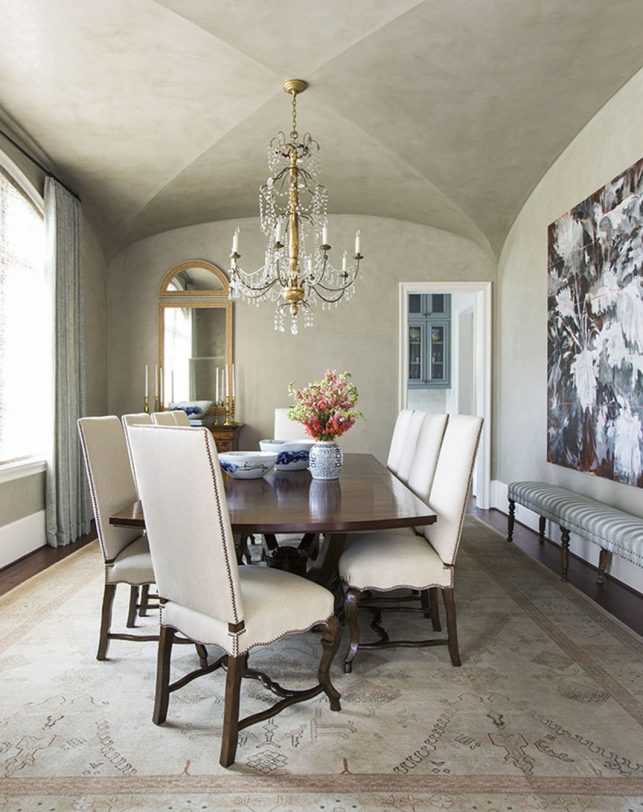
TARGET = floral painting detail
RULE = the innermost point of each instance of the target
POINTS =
(326, 408)
(595, 333)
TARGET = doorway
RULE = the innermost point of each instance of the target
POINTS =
(445, 358)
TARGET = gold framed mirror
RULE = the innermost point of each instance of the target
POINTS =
(195, 334)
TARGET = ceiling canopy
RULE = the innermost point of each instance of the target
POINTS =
(446, 113)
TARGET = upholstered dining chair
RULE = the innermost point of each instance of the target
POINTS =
(398, 438)
(287, 429)
(180, 417)
(413, 428)
(125, 551)
(138, 419)
(163, 419)
(394, 560)
(204, 594)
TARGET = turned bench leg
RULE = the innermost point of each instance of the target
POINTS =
(542, 524)
(511, 520)
(604, 562)
(564, 552)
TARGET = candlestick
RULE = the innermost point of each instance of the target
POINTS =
(172, 387)
(216, 377)
(161, 389)
(147, 383)
(234, 382)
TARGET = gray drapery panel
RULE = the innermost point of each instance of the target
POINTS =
(67, 502)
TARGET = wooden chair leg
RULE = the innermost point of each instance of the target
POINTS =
(162, 696)
(230, 737)
(133, 603)
(452, 626)
(351, 610)
(604, 561)
(425, 602)
(145, 600)
(511, 520)
(564, 552)
(435, 609)
(542, 524)
(202, 653)
(330, 643)
(105, 621)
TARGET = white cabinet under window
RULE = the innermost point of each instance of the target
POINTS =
(429, 341)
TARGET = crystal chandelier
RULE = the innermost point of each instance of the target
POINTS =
(297, 272)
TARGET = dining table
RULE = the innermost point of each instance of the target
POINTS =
(366, 497)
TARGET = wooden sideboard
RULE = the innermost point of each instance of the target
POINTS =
(227, 437)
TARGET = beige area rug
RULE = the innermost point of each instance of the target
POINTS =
(546, 712)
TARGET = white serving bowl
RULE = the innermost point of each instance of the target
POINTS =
(247, 464)
(292, 455)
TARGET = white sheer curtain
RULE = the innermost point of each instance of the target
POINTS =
(25, 327)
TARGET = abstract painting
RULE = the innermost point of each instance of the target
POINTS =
(595, 333)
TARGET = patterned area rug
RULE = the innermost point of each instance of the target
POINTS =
(546, 712)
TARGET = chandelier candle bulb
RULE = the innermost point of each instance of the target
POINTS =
(235, 241)
(324, 234)
(357, 243)
(344, 261)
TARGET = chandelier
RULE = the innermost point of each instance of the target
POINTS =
(293, 214)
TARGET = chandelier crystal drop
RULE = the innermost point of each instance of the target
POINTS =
(297, 273)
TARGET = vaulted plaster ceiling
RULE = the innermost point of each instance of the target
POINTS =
(444, 113)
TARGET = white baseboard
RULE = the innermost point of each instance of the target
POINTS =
(21, 537)
(624, 571)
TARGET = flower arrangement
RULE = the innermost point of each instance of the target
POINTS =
(326, 408)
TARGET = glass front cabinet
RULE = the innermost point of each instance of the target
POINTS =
(429, 341)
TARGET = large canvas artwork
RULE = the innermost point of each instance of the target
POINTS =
(595, 333)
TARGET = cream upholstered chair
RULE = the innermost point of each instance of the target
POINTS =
(180, 417)
(139, 419)
(204, 594)
(125, 551)
(381, 562)
(287, 429)
(396, 449)
(163, 419)
(413, 428)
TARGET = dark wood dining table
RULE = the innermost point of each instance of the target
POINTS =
(366, 497)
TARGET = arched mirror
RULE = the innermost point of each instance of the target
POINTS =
(195, 334)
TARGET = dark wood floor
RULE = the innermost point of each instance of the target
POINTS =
(614, 596)
(22, 569)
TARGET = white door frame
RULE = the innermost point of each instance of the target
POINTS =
(482, 364)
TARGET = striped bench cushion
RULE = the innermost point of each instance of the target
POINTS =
(613, 529)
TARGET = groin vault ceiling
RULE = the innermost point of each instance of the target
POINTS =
(446, 113)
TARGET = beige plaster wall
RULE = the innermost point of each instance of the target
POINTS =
(610, 143)
(361, 336)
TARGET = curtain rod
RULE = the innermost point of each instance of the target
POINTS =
(37, 163)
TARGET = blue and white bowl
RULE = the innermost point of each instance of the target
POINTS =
(292, 455)
(247, 464)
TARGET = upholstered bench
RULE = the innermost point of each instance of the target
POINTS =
(613, 530)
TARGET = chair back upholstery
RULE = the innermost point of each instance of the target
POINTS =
(186, 518)
(451, 484)
(180, 417)
(163, 419)
(111, 483)
(409, 446)
(397, 440)
(140, 419)
(287, 429)
(425, 459)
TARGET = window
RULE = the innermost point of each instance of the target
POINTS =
(25, 327)
(429, 340)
